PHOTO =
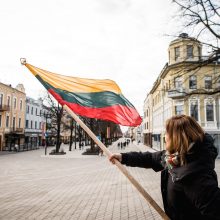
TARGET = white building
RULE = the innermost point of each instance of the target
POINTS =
(35, 123)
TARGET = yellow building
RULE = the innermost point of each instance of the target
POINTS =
(12, 116)
(184, 86)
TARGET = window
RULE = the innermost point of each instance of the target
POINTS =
(35, 125)
(40, 113)
(39, 125)
(0, 120)
(179, 109)
(209, 111)
(32, 110)
(13, 123)
(8, 100)
(208, 82)
(15, 103)
(1, 100)
(147, 125)
(192, 82)
(218, 83)
(36, 111)
(28, 109)
(199, 52)
(194, 109)
(189, 51)
(31, 124)
(178, 82)
(7, 121)
(177, 52)
(19, 122)
(20, 104)
(27, 124)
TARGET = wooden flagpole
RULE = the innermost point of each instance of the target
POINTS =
(118, 164)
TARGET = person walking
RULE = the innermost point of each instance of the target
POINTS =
(189, 184)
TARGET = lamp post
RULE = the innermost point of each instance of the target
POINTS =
(46, 116)
(71, 133)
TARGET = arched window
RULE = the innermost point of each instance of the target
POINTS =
(15, 103)
(21, 104)
(194, 108)
(209, 110)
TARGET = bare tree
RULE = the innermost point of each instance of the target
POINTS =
(202, 19)
(54, 111)
(203, 16)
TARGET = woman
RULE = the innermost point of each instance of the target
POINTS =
(189, 183)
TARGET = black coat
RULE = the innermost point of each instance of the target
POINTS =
(190, 191)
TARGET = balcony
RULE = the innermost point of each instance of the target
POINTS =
(14, 130)
(4, 108)
(176, 93)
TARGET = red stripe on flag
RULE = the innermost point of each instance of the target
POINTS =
(119, 114)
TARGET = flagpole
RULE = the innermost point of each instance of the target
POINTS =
(118, 164)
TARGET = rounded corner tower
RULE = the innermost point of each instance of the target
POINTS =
(184, 49)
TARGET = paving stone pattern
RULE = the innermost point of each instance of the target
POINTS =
(74, 186)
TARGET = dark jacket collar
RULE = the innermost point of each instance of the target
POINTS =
(201, 157)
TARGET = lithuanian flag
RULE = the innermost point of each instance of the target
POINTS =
(93, 98)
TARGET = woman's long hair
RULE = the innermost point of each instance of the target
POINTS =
(183, 130)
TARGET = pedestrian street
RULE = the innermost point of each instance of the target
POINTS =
(74, 186)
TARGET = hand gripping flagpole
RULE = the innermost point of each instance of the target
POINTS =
(117, 163)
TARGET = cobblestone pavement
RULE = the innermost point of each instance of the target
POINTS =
(73, 186)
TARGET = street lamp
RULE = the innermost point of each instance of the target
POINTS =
(46, 116)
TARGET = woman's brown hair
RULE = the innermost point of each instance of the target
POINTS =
(183, 130)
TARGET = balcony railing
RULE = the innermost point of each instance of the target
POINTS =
(15, 130)
(176, 93)
(4, 108)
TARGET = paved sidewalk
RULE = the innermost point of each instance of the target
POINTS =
(74, 186)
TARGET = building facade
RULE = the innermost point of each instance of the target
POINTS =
(184, 86)
(147, 121)
(12, 116)
(34, 123)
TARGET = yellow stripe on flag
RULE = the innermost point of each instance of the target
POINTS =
(75, 84)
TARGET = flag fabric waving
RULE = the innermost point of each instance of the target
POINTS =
(93, 98)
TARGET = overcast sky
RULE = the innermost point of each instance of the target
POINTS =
(122, 40)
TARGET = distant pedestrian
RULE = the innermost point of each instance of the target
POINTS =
(101, 152)
(188, 180)
(124, 144)
(62, 149)
(16, 148)
(119, 145)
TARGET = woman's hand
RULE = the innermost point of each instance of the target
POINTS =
(116, 156)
